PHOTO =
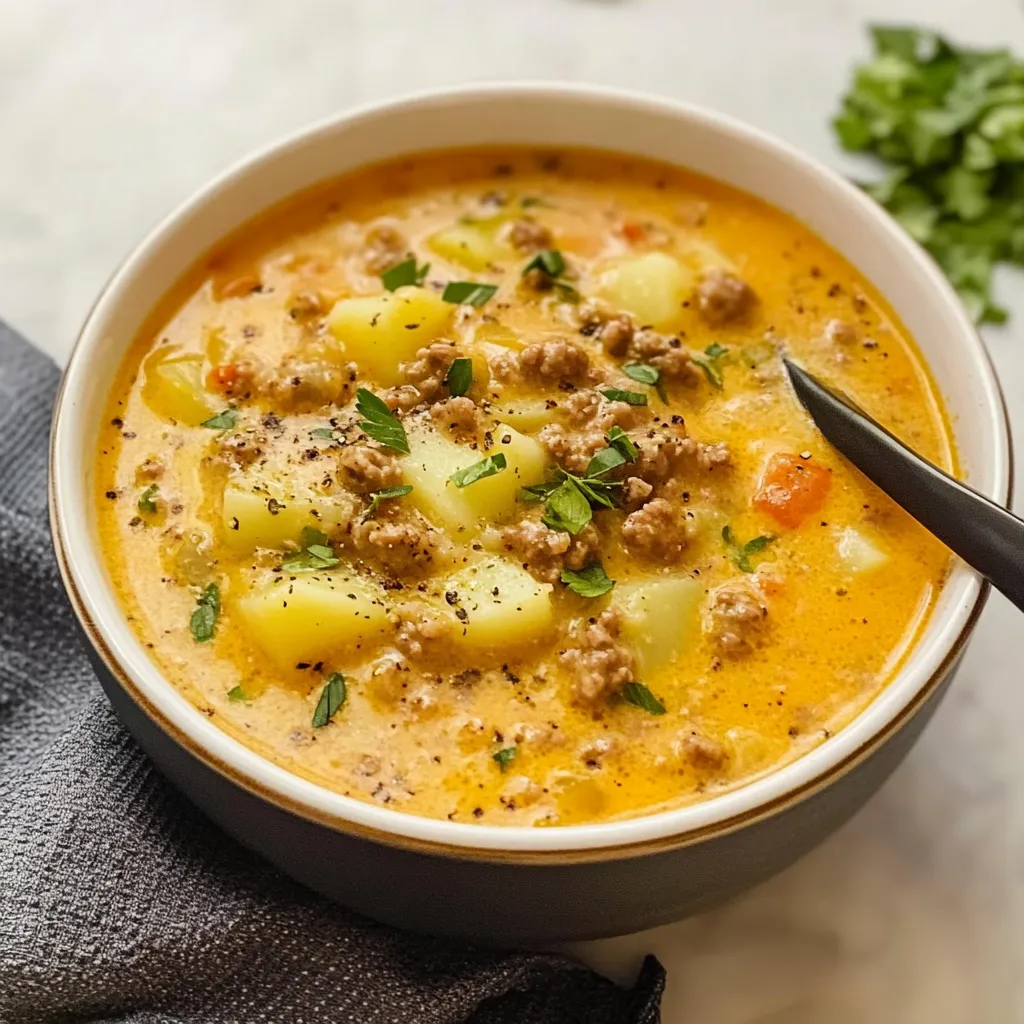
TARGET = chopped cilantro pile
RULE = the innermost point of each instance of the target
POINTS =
(950, 122)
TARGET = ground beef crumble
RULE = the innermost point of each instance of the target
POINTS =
(544, 552)
(723, 298)
(364, 469)
(736, 612)
(599, 664)
(658, 531)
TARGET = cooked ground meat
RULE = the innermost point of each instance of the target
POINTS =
(663, 453)
(591, 416)
(400, 546)
(528, 236)
(724, 298)
(306, 306)
(544, 552)
(504, 367)
(840, 332)
(239, 450)
(659, 531)
(711, 456)
(385, 247)
(735, 613)
(702, 752)
(310, 383)
(666, 354)
(417, 627)
(571, 449)
(635, 492)
(616, 334)
(600, 663)
(427, 372)
(150, 470)
(459, 415)
(368, 765)
(404, 398)
(364, 469)
(555, 361)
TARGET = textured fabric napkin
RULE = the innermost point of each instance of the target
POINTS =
(120, 902)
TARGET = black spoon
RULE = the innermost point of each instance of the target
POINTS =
(982, 533)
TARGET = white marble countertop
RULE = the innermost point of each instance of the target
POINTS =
(112, 111)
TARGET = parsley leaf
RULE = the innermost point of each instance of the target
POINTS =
(567, 508)
(203, 621)
(147, 500)
(591, 581)
(468, 293)
(709, 363)
(237, 693)
(225, 420)
(550, 262)
(332, 697)
(404, 273)
(619, 439)
(644, 373)
(315, 553)
(505, 757)
(459, 378)
(629, 397)
(741, 553)
(380, 423)
(641, 697)
(323, 433)
(376, 497)
(605, 461)
(490, 466)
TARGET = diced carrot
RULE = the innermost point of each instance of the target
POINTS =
(222, 378)
(633, 232)
(791, 489)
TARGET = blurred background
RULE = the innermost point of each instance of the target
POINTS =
(113, 111)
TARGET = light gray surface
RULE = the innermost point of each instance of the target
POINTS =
(111, 111)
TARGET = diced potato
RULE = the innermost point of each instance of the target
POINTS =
(491, 333)
(861, 553)
(381, 331)
(472, 244)
(308, 618)
(504, 606)
(434, 458)
(660, 617)
(703, 256)
(653, 287)
(173, 386)
(249, 522)
(529, 414)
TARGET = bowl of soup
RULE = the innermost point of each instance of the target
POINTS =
(433, 500)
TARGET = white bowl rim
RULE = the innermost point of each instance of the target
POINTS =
(83, 564)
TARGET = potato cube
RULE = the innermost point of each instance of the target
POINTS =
(381, 331)
(653, 287)
(525, 414)
(311, 617)
(660, 617)
(269, 515)
(173, 386)
(472, 244)
(434, 458)
(501, 606)
(861, 553)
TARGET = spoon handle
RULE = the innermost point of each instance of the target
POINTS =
(985, 535)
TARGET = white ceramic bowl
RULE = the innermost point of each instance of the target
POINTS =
(297, 823)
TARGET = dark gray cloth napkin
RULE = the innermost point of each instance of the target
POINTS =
(120, 902)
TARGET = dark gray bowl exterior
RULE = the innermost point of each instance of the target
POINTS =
(507, 903)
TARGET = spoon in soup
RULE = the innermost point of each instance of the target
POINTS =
(985, 535)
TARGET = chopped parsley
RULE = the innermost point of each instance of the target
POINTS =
(237, 693)
(324, 433)
(203, 621)
(567, 508)
(629, 397)
(641, 697)
(504, 757)
(380, 423)
(332, 697)
(225, 420)
(591, 581)
(490, 466)
(316, 553)
(376, 497)
(459, 378)
(742, 553)
(619, 451)
(404, 273)
(551, 265)
(644, 373)
(468, 293)
(147, 500)
(710, 361)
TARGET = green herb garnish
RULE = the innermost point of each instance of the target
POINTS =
(950, 123)
(641, 697)
(324, 433)
(147, 500)
(629, 397)
(591, 581)
(380, 423)
(332, 697)
(490, 466)
(644, 373)
(237, 693)
(505, 757)
(376, 497)
(468, 293)
(459, 378)
(551, 264)
(709, 363)
(316, 553)
(225, 420)
(567, 508)
(741, 553)
(404, 273)
(204, 618)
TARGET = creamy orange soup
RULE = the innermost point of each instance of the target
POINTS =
(471, 485)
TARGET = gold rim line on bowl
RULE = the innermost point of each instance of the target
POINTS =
(541, 857)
